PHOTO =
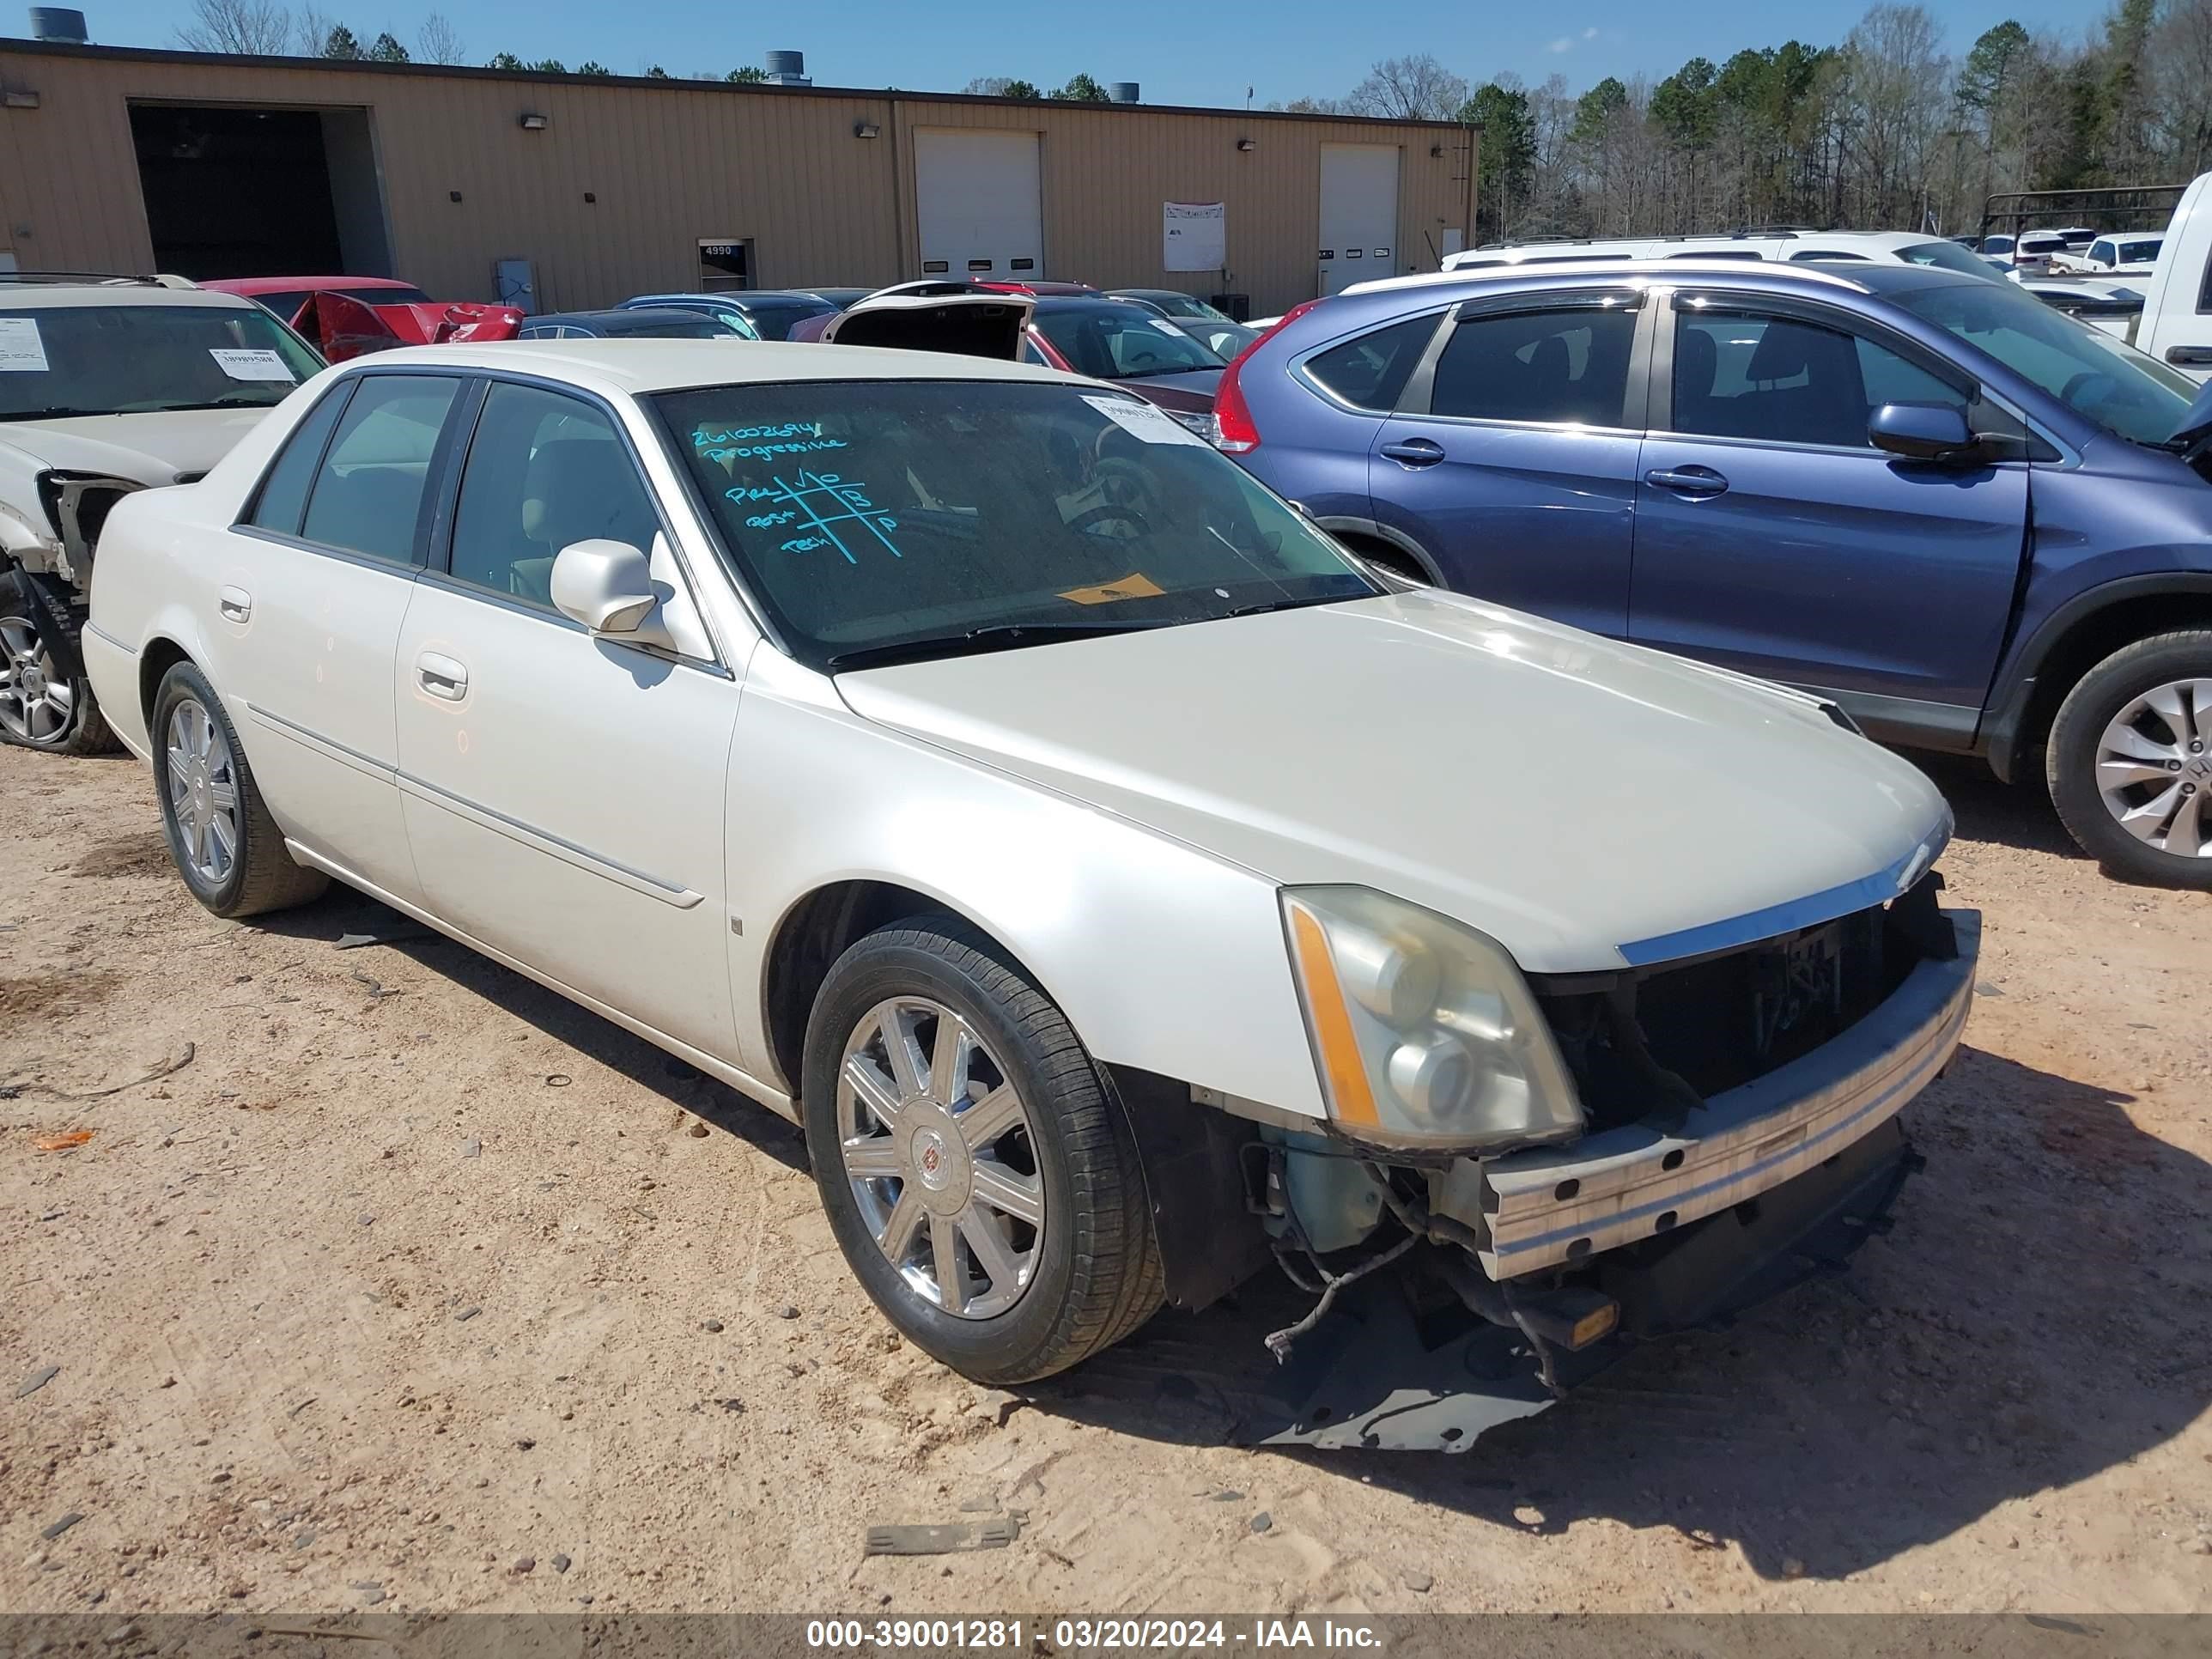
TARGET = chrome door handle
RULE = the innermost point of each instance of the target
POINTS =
(235, 603)
(1415, 452)
(2184, 357)
(1690, 480)
(441, 676)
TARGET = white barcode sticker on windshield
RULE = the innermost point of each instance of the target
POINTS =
(22, 350)
(243, 365)
(1146, 421)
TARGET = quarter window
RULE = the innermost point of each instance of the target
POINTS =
(543, 471)
(283, 496)
(1738, 374)
(1566, 366)
(368, 492)
(1371, 371)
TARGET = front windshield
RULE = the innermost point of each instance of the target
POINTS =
(2090, 372)
(57, 361)
(1112, 340)
(698, 327)
(882, 520)
(1945, 255)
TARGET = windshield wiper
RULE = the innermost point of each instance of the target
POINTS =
(219, 403)
(53, 412)
(998, 636)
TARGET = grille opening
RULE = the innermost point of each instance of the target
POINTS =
(1641, 1044)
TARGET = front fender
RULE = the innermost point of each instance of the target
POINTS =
(1162, 957)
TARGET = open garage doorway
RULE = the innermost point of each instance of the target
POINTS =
(238, 191)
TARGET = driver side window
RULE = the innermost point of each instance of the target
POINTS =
(1745, 375)
(543, 471)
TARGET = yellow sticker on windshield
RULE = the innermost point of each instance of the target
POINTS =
(1135, 586)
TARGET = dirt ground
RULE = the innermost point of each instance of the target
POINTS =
(416, 1287)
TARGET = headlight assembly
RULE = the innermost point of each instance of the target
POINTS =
(1425, 1034)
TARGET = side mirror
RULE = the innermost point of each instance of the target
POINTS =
(606, 585)
(1921, 432)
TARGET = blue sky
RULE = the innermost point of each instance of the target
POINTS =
(1185, 51)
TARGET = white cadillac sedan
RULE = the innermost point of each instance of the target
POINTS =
(1121, 884)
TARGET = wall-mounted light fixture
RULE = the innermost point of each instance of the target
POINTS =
(533, 122)
(867, 130)
(1245, 145)
(1435, 151)
(590, 196)
(452, 195)
(20, 98)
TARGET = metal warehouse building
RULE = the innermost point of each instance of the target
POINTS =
(475, 182)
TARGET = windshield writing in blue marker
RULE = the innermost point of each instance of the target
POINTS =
(814, 506)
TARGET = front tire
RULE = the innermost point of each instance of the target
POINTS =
(2129, 761)
(226, 846)
(46, 700)
(983, 1187)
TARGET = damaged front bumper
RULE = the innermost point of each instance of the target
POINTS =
(1761, 1187)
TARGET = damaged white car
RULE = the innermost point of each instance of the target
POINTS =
(107, 386)
(1120, 884)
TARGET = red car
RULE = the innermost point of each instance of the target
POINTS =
(347, 316)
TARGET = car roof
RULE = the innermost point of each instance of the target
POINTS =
(1642, 270)
(16, 296)
(288, 284)
(639, 366)
(1112, 305)
(616, 316)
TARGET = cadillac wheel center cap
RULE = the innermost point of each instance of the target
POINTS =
(929, 1159)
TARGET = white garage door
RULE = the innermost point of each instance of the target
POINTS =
(979, 204)
(1358, 212)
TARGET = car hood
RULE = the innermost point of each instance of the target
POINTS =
(146, 449)
(1584, 803)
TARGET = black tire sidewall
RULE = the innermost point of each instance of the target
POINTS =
(19, 598)
(183, 683)
(872, 971)
(2072, 761)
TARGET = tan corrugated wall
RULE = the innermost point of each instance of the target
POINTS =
(670, 165)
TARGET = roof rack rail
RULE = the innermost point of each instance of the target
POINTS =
(103, 278)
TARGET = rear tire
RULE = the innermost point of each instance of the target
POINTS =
(2129, 761)
(226, 847)
(46, 699)
(1032, 1299)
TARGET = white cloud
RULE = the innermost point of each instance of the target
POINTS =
(1590, 33)
(1566, 42)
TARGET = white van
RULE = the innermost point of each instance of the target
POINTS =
(1793, 244)
(2177, 320)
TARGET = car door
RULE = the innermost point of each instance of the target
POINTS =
(563, 792)
(1511, 456)
(1772, 537)
(316, 578)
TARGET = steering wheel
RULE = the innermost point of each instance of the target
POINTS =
(1108, 512)
(2087, 378)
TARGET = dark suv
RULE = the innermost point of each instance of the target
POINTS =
(1975, 524)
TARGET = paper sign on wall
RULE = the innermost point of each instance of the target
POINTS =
(21, 348)
(1194, 236)
(255, 365)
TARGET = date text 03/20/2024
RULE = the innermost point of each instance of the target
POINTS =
(1147, 1635)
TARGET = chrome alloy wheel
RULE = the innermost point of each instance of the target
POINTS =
(203, 791)
(941, 1154)
(37, 701)
(2154, 768)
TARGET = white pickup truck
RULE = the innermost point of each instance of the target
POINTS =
(2177, 317)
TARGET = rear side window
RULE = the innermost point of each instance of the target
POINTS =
(368, 492)
(1371, 371)
(284, 492)
(1568, 365)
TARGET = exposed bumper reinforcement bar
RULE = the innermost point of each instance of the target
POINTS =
(1555, 1207)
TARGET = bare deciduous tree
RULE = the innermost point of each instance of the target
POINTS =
(256, 28)
(1417, 88)
(438, 41)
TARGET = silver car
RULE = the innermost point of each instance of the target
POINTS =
(1123, 886)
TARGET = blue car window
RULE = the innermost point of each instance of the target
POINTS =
(1568, 366)
(1739, 374)
(1370, 371)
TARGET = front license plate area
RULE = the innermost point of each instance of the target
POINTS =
(1797, 993)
